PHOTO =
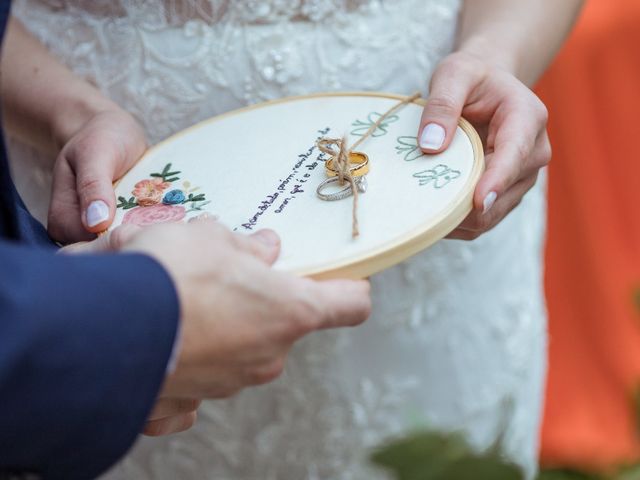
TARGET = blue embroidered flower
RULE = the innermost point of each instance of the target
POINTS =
(174, 197)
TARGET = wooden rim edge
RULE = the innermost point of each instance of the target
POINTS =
(395, 251)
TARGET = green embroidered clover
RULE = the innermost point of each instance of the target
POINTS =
(362, 127)
(410, 148)
(440, 175)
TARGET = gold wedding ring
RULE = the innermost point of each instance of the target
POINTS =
(359, 165)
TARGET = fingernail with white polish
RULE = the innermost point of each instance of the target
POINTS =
(97, 213)
(432, 137)
(489, 201)
(267, 237)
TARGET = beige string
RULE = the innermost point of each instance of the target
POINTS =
(341, 160)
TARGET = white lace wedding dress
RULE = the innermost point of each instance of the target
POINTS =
(457, 332)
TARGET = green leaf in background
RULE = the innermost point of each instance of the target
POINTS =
(439, 456)
(483, 467)
(567, 474)
(629, 473)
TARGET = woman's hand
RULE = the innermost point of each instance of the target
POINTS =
(512, 122)
(93, 140)
(101, 151)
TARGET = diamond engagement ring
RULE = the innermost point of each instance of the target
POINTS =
(346, 192)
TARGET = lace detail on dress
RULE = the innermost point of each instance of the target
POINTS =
(177, 12)
(455, 331)
(173, 76)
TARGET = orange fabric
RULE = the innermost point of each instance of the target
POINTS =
(593, 248)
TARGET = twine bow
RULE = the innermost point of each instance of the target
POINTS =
(341, 160)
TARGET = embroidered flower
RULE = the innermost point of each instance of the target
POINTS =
(149, 192)
(174, 197)
(150, 204)
(154, 214)
(440, 175)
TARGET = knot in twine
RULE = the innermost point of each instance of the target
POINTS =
(341, 158)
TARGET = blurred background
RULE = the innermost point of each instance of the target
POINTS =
(592, 419)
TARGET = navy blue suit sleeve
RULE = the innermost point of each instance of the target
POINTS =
(84, 344)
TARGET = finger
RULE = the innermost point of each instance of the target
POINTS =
(451, 85)
(478, 223)
(108, 242)
(204, 216)
(264, 245)
(521, 147)
(94, 165)
(170, 407)
(170, 425)
(266, 373)
(64, 220)
(341, 303)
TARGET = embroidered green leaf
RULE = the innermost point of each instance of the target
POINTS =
(195, 198)
(198, 206)
(167, 175)
(127, 204)
(361, 127)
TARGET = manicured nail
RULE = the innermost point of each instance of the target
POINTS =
(97, 213)
(432, 137)
(204, 216)
(489, 201)
(267, 237)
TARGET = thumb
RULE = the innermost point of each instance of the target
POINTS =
(450, 88)
(94, 177)
(264, 244)
(344, 303)
(111, 241)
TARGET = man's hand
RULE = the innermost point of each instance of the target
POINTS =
(239, 316)
(171, 415)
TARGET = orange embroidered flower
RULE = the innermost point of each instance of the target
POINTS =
(149, 192)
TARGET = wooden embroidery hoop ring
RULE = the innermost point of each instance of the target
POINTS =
(400, 249)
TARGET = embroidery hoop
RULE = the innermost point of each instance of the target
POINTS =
(185, 150)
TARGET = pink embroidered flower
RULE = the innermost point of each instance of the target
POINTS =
(155, 214)
(149, 192)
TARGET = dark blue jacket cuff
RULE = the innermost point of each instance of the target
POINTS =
(84, 344)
